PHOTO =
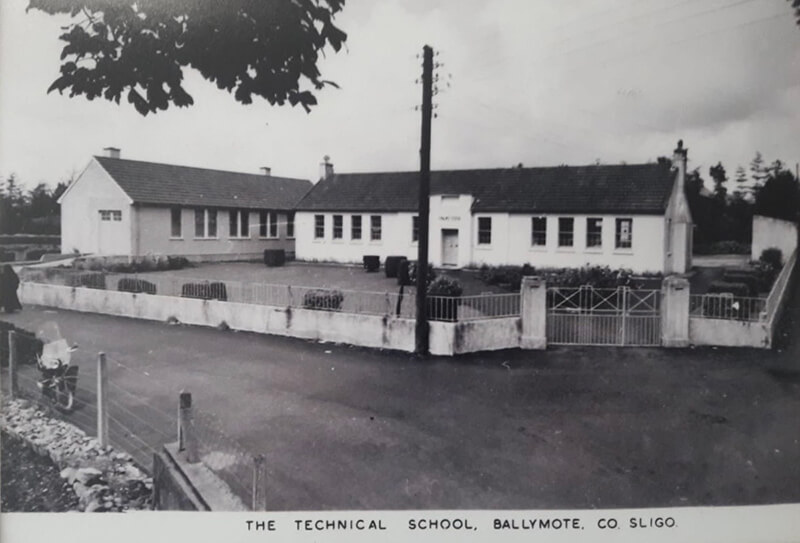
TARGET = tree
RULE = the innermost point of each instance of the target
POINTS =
(779, 197)
(741, 182)
(138, 49)
(758, 172)
(796, 6)
(719, 176)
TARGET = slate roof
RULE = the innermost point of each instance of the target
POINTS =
(167, 184)
(629, 188)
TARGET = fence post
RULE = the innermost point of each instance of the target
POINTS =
(12, 365)
(102, 404)
(187, 439)
(533, 312)
(259, 484)
(675, 306)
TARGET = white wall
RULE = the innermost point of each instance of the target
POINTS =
(769, 232)
(81, 227)
(154, 228)
(511, 243)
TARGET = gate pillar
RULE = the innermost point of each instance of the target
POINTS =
(533, 313)
(675, 312)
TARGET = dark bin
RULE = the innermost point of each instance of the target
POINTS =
(372, 263)
(274, 257)
(392, 265)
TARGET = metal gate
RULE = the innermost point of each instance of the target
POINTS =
(595, 316)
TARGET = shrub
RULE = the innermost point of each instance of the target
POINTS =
(28, 345)
(205, 291)
(443, 305)
(392, 265)
(737, 289)
(372, 263)
(130, 284)
(274, 257)
(178, 262)
(510, 277)
(445, 286)
(772, 257)
(327, 300)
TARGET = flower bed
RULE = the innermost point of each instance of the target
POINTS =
(510, 277)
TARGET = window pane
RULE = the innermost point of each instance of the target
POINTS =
(273, 225)
(319, 226)
(375, 228)
(415, 228)
(244, 224)
(594, 232)
(175, 220)
(233, 223)
(337, 227)
(116, 215)
(539, 231)
(212, 223)
(199, 223)
(355, 227)
(484, 230)
(624, 234)
(565, 231)
(262, 224)
(290, 225)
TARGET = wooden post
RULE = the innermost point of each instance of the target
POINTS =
(187, 440)
(102, 405)
(259, 484)
(13, 386)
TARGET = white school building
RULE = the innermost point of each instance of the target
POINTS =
(633, 216)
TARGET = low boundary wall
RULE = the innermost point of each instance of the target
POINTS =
(383, 332)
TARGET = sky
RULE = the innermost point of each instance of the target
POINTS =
(541, 82)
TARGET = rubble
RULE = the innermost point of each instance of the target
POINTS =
(102, 478)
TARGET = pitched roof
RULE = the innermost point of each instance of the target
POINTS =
(167, 184)
(635, 188)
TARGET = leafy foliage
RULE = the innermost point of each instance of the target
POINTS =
(779, 197)
(138, 50)
(33, 212)
(445, 286)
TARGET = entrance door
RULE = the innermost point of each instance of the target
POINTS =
(450, 247)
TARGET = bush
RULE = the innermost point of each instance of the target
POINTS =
(28, 345)
(392, 265)
(372, 263)
(748, 278)
(412, 274)
(137, 265)
(326, 300)
(737, 289)
(510, 277)
(274, 257)
(205, 291)
(95, 280)
(728, 247)
(443, 305)
(130, 284)
(772, 257)
(445, 286)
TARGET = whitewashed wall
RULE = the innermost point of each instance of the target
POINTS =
(769, 232)
(80, 218)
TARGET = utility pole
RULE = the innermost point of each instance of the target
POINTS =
(421, 344)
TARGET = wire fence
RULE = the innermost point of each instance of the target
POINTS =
(138, 413)
(400, 304)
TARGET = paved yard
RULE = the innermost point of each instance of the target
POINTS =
(348, 428)
(312, 275)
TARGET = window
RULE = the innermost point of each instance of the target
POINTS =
(239, 223)
(176, 227)
(415, 229)
(205, 223)
(268, 224)
(290, 224)
(484, 230)
(538, 231)
(319, 226)
(355, 227)
(110, 215)
(337, 227)
(594, 232)
(375, 228)
(566, 231)
(624, 234)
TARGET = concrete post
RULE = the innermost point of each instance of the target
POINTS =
(13, 386)
(533, 311)
(259, 484)
(102, 401)
(187, 439)
(675, 312)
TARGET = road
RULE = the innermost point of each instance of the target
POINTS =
(351, 428)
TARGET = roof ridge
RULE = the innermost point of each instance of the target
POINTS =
(510, 168)
(104, 158)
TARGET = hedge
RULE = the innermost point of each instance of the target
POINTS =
(327, 300)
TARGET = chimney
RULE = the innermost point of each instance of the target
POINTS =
(325, 168)
(266, 170)
(112, 152)
(679, 162)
